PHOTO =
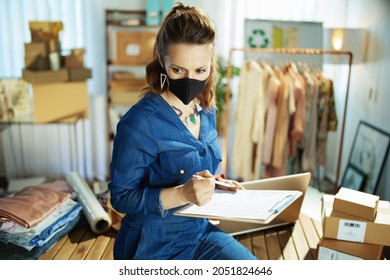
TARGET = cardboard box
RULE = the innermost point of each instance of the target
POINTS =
(42, 48)
(36, 48)
(338, 225)
(124, 96)
(36, 63)
(134, 48)
(45, 30)
(333, 249)
(356, 203)
(130, 84)
(57, 101)
(74, 61)
(122, 75)
(79, 74)
(45, 77)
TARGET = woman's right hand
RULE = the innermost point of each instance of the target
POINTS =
(199, 190)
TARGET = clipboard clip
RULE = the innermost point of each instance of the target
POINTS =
(281, 204)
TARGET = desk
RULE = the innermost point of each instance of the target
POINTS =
(292, 242)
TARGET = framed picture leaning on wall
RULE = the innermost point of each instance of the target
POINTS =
(368, 155)
(353, 178)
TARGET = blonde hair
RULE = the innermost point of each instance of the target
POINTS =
(187, 25)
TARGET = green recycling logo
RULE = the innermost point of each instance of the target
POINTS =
(258, 39)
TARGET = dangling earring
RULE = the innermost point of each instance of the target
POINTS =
(163, 79)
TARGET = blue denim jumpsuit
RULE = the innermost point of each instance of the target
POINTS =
(154, 150)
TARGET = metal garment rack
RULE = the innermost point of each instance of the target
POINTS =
(291, 51)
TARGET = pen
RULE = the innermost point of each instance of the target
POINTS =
(280, 205)
(215, 181)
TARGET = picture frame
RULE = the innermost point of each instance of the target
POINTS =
(368, 154)
(353, 178)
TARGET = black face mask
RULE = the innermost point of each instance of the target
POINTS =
(186, 89)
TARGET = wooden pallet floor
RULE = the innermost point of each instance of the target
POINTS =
(82, 244)
(294, 242)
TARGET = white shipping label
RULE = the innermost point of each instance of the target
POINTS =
(133, 50)
(351, 230)
(330, 254)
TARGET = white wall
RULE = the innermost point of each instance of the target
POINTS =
(371, 76)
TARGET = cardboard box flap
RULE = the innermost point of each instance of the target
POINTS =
(327, 204)
(383, 215)
(357, 197)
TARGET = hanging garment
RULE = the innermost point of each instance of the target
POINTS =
(279, 155)
(310, 136)
(247, 120)
(273, 88)
(297, 119)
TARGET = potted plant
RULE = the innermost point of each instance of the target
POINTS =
(220, 91)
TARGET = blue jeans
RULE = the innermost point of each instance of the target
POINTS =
(188, 239)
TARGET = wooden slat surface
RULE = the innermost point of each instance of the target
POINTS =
(82, 244)
(295, 242)
(259, 246)
(287, 245)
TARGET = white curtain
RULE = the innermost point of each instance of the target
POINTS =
(83, 28)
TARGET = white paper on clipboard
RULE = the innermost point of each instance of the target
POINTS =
(257, 206)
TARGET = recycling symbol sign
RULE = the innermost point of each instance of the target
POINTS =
(258, 39)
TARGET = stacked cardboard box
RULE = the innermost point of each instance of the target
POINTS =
(356, 225)
(125, 88)
(74, 62)
(131, 47)
(43, 54)
(58, 83)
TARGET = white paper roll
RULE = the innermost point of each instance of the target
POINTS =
(97, 218)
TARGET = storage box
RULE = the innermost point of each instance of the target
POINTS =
(79, 74)
(167, 6)
(36, 62)
(343, 227)
(125, 97)
(45, 30)
(356, 203)
(42, 47)
(57, 101)
(134, 48)
(45, 77)
(36, 48)
(130, 84)
(333, 249)
(152, 12)
(123, 75)
(74, 61)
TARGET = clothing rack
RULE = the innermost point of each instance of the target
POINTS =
(292, 51)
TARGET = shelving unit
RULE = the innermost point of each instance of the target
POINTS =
(129, 48)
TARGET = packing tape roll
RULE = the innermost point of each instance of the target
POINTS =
(96, 216)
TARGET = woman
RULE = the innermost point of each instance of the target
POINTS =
(165, 139)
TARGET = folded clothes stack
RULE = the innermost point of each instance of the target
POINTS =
(33, 219)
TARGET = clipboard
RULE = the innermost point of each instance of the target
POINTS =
(251, 206)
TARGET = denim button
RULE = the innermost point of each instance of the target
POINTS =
(181, 171)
